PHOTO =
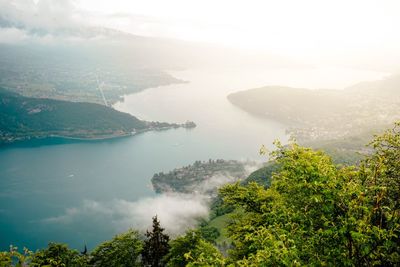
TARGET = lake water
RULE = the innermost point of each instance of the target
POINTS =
(78, 192)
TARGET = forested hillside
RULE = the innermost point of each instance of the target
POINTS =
(25, 118)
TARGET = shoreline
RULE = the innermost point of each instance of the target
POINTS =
(115, 136)
(92, 138)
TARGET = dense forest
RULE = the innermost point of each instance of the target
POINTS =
(312, 212)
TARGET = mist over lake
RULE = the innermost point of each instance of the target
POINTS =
(199, 133)
(68, 191)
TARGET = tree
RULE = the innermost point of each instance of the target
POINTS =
(155, 246)
(180, 246)
(204, 254)
(5, 259)
(316, 213)
(58, 255)
(14, 258)
(379, 238)
(192, 250)
(123, 250)
(209, 233)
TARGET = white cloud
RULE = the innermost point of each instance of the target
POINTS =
(306, 29)
(41, 17)
(177, 212)
(288, 26)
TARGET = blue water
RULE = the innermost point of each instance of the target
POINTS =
(49, 188)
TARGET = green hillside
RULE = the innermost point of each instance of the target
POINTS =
(24, 118)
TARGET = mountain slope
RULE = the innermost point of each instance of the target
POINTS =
(24, 118)
(326, 114)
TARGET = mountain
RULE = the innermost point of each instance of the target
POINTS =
(25, 118)
(288, 105)
(388, 87)
(312, 115)
(72, 73)
(81, 60)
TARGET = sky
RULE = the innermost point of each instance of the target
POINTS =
(286, 27)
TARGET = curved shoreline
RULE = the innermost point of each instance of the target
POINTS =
(96, 138)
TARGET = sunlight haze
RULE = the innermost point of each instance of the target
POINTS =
(295, 28)
(199, 133)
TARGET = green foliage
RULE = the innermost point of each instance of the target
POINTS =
(155, 246)
(221, 223)
(380, 175)
(123, 250)
(5, 259)
(263, 175)
(14, 258)
(58, 255)
(180, 246)
(192, 250)
(204, 254)
(219, 208)
(347, 150)
(209, 233)
(315, 213)
(386, 160)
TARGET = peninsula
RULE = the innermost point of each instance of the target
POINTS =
(25, 118)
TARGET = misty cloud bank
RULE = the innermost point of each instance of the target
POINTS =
(48, 22)
(210, 185)
(62, 21)
(24, 20)
(177, 213)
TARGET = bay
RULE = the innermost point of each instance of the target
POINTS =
(58, 190)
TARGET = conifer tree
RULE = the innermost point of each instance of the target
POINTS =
(155, 246)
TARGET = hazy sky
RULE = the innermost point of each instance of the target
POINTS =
(290, 27)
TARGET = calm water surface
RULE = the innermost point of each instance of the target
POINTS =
(43, 182)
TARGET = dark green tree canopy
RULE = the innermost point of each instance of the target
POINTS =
(58, 255)
(123, 250)
(156, 245)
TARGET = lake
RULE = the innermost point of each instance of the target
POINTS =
(85, 192)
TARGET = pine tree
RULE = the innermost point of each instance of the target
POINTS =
(155, 246)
